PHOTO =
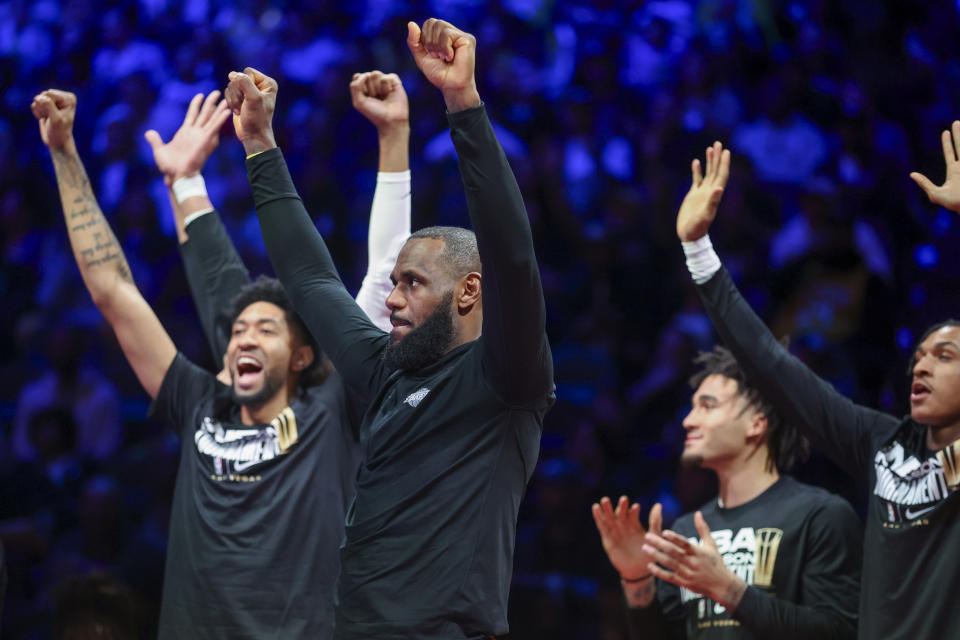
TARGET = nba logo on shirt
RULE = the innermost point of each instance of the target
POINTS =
(417, 397)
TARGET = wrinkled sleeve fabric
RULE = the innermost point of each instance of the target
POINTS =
(830, 584)
(844, 431)
(516, 352)
(304, 266)
(215, 275)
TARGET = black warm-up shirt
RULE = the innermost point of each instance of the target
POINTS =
(257, 514)
(258, 511)
(798, 549)
(449, 448)
(911, 555)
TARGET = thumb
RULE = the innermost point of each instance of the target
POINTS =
(656, 519)
(413, 40)
(154, 139)
(47, 107)
(705, 538)
(924, 183)
(244, 83)
(356, 87)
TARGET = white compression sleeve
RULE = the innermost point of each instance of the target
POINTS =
(702, 260)
(389, 228)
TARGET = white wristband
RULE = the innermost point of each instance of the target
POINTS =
(702, 260)
(189, 187)
(193, 216)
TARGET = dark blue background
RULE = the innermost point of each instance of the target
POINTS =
(601, 106)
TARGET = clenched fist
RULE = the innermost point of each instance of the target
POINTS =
(252, 96)
(55, 110)
(381, 99)
(446, 56)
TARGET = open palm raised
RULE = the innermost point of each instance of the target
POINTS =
(699, 206)
(948, 194)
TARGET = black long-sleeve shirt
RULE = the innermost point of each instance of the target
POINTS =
(798, 549)
(910, 554)
(215, 274)
(450, 447)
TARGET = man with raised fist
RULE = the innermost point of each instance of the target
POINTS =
(460, 386)
(269, 453)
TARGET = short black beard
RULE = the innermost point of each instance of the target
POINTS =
(272, 383)
(691, 462)
(426, 344)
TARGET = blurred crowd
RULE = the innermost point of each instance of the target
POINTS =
(600, 107)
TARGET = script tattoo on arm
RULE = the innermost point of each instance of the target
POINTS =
(94, 245)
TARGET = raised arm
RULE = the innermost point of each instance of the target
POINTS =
(104, 269)
(297, 252)
(381, 99)
(516, 351)
(215, 271)
(948, 194)
(834, 424)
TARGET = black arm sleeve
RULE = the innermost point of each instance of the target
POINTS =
(830, 589)
(215, 274)
(651, 623)
(842, 430)
(516, 352)
(304, 266)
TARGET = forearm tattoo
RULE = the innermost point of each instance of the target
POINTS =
(732, 594)
(640, 594)
(93, 240)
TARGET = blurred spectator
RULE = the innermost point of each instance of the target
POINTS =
(79, 388)
(601, 106)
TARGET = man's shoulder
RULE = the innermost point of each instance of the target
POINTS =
(807, 500)
(908, 433)
(187, 378)
(330, 400)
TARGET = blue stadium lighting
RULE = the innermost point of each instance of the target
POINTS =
(926, 256)
(904, 338)
(918, 295)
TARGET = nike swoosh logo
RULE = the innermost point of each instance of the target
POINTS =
(913, 515)
(243, 466)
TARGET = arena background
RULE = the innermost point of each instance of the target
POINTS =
(600, 106)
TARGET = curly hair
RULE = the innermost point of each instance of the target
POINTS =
(787, 445)
(265, 289)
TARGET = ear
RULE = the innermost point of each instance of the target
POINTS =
(758, 426)
(468, 292)
(301, 358)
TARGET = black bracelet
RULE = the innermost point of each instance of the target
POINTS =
(635, 580)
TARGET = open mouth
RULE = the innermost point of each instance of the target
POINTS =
(248, 371)
(919, 391)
